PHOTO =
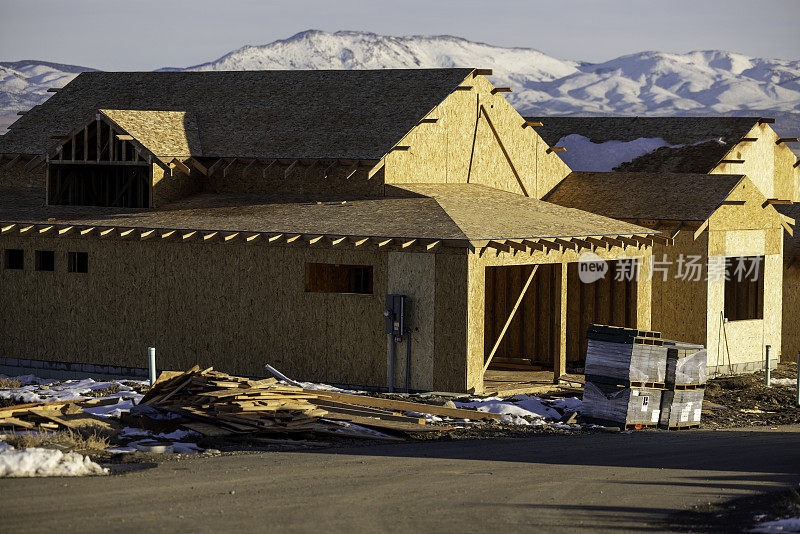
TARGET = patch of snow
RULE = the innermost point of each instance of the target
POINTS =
(584, 155)
(784, 382)
(35, 389)
(571, 404)
(177, 435)
(427, 416)
(787, 524)
(519, 409)
(36, 462)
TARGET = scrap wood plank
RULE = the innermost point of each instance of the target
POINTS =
(207, 429)
(14, 422)
(406, 406)
(345, 414)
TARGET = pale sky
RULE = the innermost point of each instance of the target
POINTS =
(147, 34)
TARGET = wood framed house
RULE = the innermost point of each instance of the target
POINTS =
(719, 283)
(242, 218)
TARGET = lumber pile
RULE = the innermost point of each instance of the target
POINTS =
(218, 404)
(55, 415)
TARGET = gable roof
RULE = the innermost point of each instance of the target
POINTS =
(419, 211)
(791, 244)
(703, 141)
(347, 114)
(643, 195)
(164, 133)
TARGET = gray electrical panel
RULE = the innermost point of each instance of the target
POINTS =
(395, 314)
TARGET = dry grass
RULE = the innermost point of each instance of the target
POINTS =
(86, 439)
(8, 383)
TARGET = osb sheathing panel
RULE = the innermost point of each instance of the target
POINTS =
(451, 327)
(790, 331)
(233, 306)
(18, 177)
(767, 164)
(748, 216)
(304, 179)
(678, 305)
(414, 275)
(461, 147)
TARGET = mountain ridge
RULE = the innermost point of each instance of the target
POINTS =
(647, 83)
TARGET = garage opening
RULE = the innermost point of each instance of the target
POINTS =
(611, 300)
(531, 340)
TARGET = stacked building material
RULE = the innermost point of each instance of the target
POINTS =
(625, 376)
(682, 402)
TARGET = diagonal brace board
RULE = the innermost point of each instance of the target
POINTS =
(505, 152)
(510, 318)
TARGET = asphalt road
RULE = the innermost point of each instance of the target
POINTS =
(611, 482)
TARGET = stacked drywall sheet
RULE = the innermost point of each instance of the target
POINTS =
(625, 375)
(682, 402)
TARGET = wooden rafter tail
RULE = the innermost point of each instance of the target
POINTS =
(406, 244)
(209, 236)
(776, 201)
(199, 166)
(315, 239)
(7, 228)
(628, 240)
(567, 244)
(549, 244)
(33, 163)
(65, 231)
(126, 233)
(510, 319)
(327, 171)
(181, 166)
(86, 231)
(481, 72)
(533, 245)
(338, 241)
(765, 120)
(498, 246)
(229, 238)
(527, 124)
(215, 166)
(292, 166)
(275, 238)
(433, 245)
(515, 245)
(731, 161)
(644, 240)
(428, 120)
(359, 241)
(268, 167)
(168, 234)
(582, 243)
(252, 238)
(662, 240)
(555, 149)
(229, 167)
(10, 164)
(597, 242)
(45, 229)
(787, 140)
(614, 242)
(252, 162)
(147, 234)
(375, 169)
(53, 89)
(496, 90)
(188, 235)
(293, 238)
(26, 229)
(383, 242)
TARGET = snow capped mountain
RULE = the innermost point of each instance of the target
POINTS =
(647, 83)
(24, 84)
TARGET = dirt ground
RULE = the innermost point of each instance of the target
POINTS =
(747, 401)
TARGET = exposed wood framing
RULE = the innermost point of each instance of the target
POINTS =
(510, 318)
(505, 152)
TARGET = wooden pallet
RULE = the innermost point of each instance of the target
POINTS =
(619, 382)
(686, 387)
(683, 427)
